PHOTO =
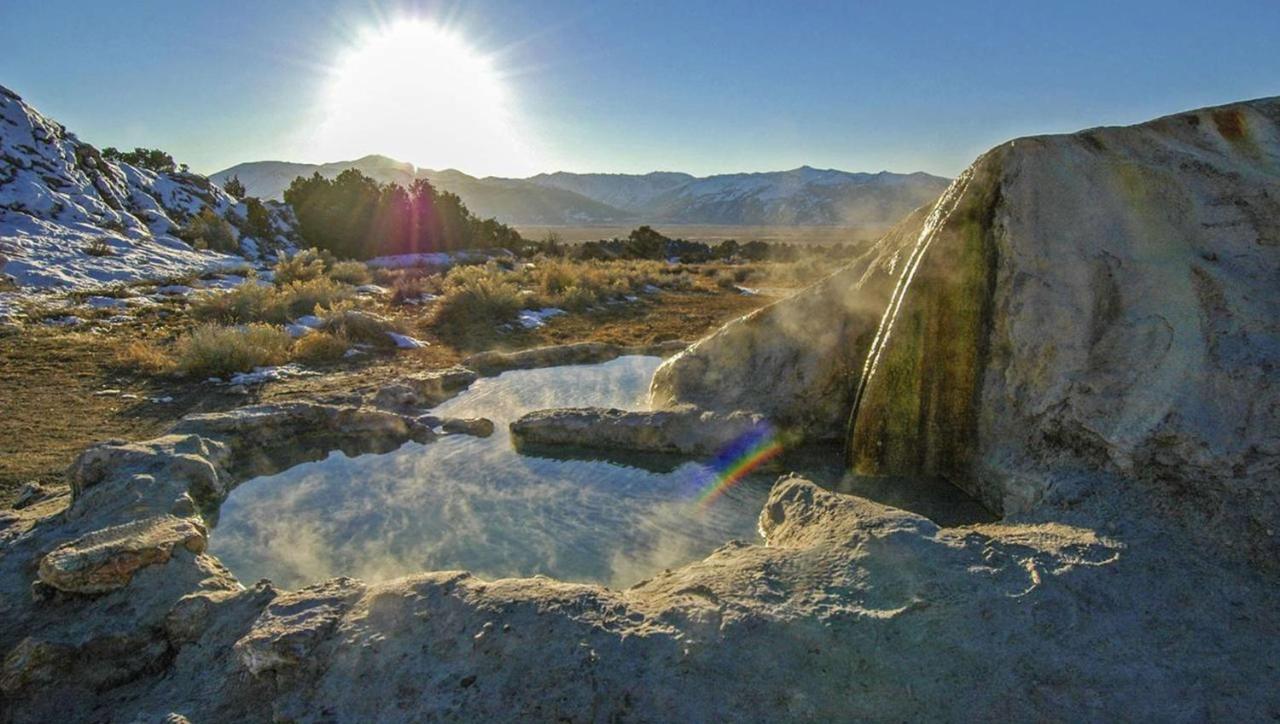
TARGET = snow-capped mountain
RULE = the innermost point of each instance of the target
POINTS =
(801, 196)
(71, 217)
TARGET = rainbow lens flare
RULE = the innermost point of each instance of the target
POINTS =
(739, 458)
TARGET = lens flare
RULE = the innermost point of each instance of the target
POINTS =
(736, 461)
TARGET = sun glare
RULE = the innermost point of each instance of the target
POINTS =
(417, 92)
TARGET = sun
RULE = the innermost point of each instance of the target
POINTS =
(417, 92)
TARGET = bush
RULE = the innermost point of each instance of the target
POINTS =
(212, 349)
(360, 327)
(100, 246)
(320, 348)
(304, 266)
(234, 186)
(145, 357)
(207, 230)
(476, 296)
(410, 287)
(253, 302)
(350, 272)
(725, 280)
(248, 302)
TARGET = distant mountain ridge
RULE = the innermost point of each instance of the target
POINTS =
(801, 196)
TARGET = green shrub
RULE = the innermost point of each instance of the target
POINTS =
(350, 272)
(207, 230)
(217, 350)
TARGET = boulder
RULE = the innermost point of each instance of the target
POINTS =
(107, 559)
(1099, 300)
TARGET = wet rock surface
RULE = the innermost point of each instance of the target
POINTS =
(685, 431)
(1134, 458)
(494, 363)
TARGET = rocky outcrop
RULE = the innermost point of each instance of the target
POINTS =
(685, 431)
(1101, 299)
(1074, 302)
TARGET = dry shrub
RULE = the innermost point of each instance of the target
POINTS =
(474, 297)
(247, 302)
(411, 286)
(145, 357)
(253, 302)
(360, 327)
(217, 350)
(320, 348)
(304, 266)
(350, 272)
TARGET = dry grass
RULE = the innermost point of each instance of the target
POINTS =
(360, 327)
(145, 356)
(216, 350)
(254, 302)
(476, 297)
(320, 348)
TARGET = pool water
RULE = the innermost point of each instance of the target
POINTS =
(476, 504)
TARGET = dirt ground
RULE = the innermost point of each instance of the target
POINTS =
(63, 390)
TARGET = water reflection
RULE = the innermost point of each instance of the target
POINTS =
(476, 504)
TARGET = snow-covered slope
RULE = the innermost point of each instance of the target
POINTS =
(631, 192)
(800, 196)
(71, 218)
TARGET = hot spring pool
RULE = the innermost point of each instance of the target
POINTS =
(469, 503)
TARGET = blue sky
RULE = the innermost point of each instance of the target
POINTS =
(704, 87)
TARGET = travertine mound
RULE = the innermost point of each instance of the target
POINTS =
(1105, 299)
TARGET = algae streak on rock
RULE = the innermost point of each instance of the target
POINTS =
(1098, 301)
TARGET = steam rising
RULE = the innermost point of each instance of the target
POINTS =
(475, 504)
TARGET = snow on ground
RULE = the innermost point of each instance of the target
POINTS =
(404, 341)
(71, 219)
(267, 374)
(531, 318)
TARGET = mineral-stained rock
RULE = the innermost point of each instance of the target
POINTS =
(1105, 299)
(493, 363)
(107, 559)
(685, 431)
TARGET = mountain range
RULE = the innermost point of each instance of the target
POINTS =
(801, 196)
